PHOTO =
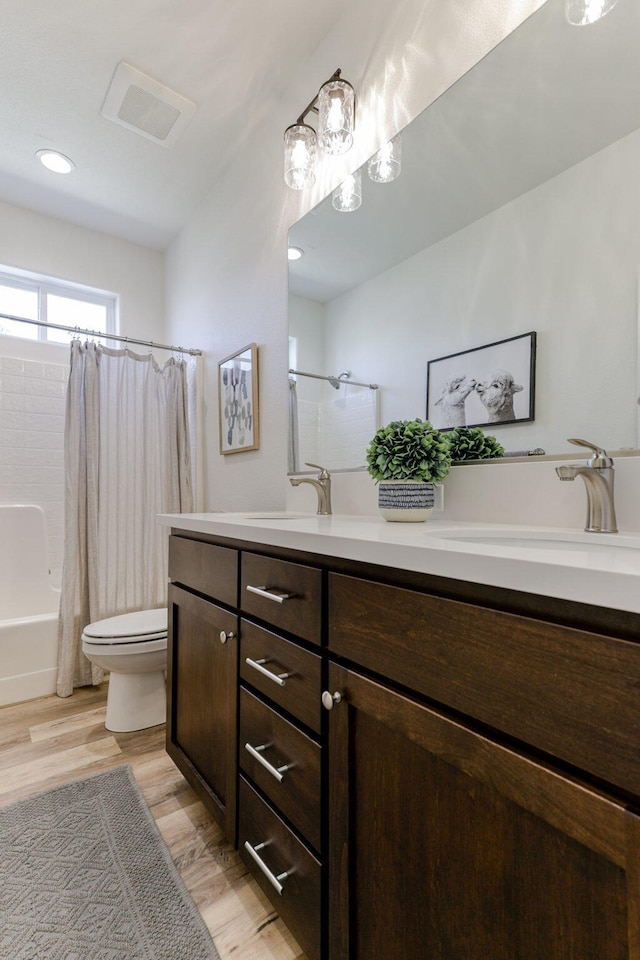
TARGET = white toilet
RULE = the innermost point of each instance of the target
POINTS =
(133, 648)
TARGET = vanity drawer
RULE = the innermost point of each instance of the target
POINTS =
(571, 693)
(299, 692)
(294, 791)
(299, 899)
(290, 597)
(204, 567)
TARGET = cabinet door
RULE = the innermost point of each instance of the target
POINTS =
(447, 846)
(202, 684)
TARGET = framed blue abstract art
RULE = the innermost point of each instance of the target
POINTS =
(238, 401)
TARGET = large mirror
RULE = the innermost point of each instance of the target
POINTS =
(517, 209)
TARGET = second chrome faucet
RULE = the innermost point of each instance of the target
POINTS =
(322, 486)
(598, 475)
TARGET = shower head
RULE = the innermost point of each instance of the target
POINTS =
(335, 381)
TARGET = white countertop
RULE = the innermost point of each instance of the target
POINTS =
(600, 569)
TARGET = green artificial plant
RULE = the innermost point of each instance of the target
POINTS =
(470, 443)
(409, 450)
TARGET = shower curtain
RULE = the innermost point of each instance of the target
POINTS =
(127, 458)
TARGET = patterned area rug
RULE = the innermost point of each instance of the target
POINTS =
(86, 875)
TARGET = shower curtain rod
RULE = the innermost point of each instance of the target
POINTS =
(104, 336)
(335, 380)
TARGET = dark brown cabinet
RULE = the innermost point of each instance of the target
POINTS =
(245, 716)
(284, 867)
(284, 762)
(570, 692)
(202, 666)
(446, 845)
(267, 659)
(473, 790)
(287, 595)
(280, 745)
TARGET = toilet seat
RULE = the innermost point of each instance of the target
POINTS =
(137, 627)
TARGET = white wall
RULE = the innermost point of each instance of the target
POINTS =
(507, 274)
(55, 248)
(307, 325)
(33, 374)
(227, 271)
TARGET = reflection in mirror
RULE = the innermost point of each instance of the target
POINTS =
(517, 209)
(331, 416)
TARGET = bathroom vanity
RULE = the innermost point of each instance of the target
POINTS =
(416, 752)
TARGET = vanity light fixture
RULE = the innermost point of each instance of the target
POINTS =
(54, 161)
(300, 148)
(385, 165)
(581, 13)
(348, 196)
(335, 106)
(336, 115)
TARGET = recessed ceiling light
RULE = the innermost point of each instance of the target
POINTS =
(295, 253)
(57, 162)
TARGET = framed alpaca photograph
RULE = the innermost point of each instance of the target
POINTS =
(488, 385)
(238, 401)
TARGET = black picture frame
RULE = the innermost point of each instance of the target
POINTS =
(505, 372)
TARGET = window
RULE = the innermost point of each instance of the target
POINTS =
(52, 301)
(293, 353)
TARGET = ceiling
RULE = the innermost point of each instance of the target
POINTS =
(57, 60)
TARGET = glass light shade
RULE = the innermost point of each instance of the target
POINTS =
(300, 148)
(336, 116)
(384, 166)
(580, 13)
(348, 196)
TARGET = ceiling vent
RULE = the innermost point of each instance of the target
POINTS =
(146, 107)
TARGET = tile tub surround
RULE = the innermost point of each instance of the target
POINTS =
(589, 577)
(32, 412)
(28, 605)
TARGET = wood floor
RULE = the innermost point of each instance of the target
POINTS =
(48, 742)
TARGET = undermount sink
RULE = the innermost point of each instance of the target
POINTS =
(539, 539)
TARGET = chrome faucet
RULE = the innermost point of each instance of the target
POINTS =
(598, 476)
(322, 485)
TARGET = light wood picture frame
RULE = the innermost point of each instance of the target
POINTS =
(238, 401)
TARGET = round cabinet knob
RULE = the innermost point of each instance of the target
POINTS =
(224, 636)
(328, 699)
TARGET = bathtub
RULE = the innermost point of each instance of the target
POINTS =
(28, 606)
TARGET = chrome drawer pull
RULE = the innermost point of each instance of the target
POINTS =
(266, 593)
(271, 877)
(279, 678)
(256, 753)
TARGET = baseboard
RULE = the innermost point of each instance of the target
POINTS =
(28, 686)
